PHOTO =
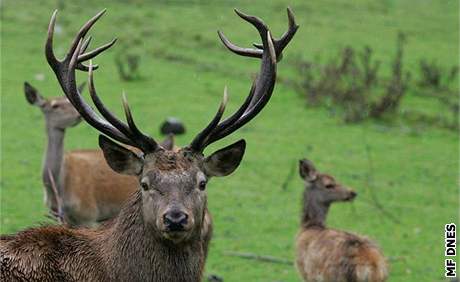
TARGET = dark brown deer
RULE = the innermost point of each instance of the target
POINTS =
(325, 254)
(157, 236)
(88, 189)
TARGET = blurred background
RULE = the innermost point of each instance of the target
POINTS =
(368, 90)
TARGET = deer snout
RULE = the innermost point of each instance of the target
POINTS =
(175, 220)
(352, 195)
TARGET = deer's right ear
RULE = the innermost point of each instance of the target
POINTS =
(119, 158)
(32, 95)
(307, 170)
(226, 160)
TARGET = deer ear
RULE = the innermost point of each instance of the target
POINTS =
(32, 95)
(307, 170)
(168, 143)
(226, 160)
(119, 158)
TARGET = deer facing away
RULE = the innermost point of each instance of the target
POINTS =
(325, 254)
(89, 190)
(157, 236)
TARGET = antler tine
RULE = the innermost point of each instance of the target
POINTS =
(270, 52)
(199, 142)
(55, 63)
(97, 51)
(49, 53)
(71, 91)
(108, 124)
(255, 21)
(85, 44)
(233, 118)
(112, 119)
(83, 31)
(144, 142)
(249, 52)
(281, 43)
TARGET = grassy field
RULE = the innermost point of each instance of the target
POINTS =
(184, 68)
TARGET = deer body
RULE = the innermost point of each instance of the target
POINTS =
(325, 254)
(162, 233)
(90, 191)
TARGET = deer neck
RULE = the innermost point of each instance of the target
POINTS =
(53, 162)
(314, 212)
(135, 253)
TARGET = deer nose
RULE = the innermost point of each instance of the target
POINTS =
(353, 194)
(175, 220)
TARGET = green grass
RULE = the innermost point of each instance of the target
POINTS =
(414, 174)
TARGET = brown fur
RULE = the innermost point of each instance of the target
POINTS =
(171, 160)
(325, 254)
(332, 255)
(105, 191)
(88, 189)
(137, 245)
(124, 249)
(92, 191)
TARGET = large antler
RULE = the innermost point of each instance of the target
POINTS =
(270, 52)
(64, 69)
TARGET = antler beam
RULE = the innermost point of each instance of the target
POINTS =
(270, 52)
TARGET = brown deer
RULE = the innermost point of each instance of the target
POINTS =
(89, 190)
(157, 236)
(325, 254)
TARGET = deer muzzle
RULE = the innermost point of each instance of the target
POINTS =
(175, 220)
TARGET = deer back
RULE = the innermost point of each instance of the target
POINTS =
(333, 255)
(92, 191)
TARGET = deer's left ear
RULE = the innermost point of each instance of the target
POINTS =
(32, 95)
(307, 170)
(226, 160)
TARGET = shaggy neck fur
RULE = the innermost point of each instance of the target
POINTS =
(53, 162)
(314, 212)
(134, 251)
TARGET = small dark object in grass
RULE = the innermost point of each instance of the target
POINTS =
(215, 278)
(172, 125)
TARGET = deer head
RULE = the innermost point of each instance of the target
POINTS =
(323, 188)
(58, 111)
(172, 183)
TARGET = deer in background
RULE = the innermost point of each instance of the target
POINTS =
(158, 234)
(89, 190)
(325, 254)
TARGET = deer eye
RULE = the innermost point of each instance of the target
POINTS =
(329, 186)
(202, 185)
(144, 186)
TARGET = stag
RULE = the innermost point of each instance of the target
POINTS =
(89, 191)
(325, 254)
(158, 234)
